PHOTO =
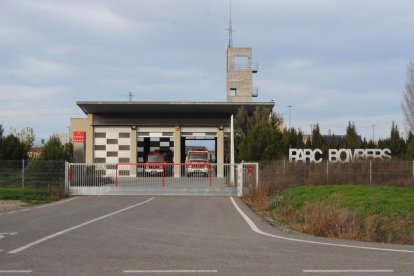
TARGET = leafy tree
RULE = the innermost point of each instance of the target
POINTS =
(26, 136)
(244, 122)
(11, 148)
(395, 143)
(292, 139)
(53, 149)
(263, 142)
(351, 139)
(409, 153)
(317, 141)
(408, 98)
(68, 152)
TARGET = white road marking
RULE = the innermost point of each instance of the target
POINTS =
(12, 212)
(3, 235)
(25, 210)
(15, 271)
(60, 202)
(17, 250)
(258, 231)
(350, 271)
(170, 271)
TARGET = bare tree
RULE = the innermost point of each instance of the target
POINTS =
(408, 99)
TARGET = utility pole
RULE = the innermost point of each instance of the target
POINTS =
(373, 132)
(290, 115)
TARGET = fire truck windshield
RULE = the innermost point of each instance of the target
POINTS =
(198, 157)
(155, 158)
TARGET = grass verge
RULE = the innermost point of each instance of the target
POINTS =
(369, 213)
(31, 196)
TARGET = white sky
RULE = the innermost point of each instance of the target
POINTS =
(334, 61)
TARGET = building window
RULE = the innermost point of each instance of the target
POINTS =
(100, 135)
(100, 160)
(124, 135)
(100, 147)
(123, 160)
(124, 147)
(112, 154)
(112, 141)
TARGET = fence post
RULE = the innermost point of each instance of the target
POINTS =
(257, 176)
(239, 179)
(66, 178)
(23, 174)
(327, 171)
(284, 168)
(370, 171)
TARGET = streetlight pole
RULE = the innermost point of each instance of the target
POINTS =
(290, 115)
(373, 133)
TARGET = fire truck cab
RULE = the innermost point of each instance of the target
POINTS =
(197, 162)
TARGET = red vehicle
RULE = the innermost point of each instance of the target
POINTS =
(197, 162)
(155, 163)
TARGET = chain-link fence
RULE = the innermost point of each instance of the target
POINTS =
(38, 174)
(282, 174)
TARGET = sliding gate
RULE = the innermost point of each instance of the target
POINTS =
(161, 179)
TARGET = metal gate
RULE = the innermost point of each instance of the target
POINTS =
(161, 179)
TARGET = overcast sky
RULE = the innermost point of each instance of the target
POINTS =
(333, 61)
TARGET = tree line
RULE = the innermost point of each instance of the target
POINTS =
(17, 144)
(260, 136)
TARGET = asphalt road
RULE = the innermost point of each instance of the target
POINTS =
(119, 235)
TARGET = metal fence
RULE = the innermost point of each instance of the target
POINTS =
(281, 173)
(161, 178)
(38, 174)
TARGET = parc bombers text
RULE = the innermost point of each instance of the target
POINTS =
(338, 155)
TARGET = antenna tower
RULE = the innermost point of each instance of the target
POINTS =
(130, 96)
(230, 29)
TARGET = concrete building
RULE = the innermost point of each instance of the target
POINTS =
(240, 75)
(126, 132)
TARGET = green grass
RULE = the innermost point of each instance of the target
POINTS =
(369, 213)
(32, 196)
(381, 200)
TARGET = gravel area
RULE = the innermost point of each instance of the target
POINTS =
(11, 205)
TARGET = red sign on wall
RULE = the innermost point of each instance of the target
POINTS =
(79, 136)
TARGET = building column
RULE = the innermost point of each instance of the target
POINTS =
(133, 149)
(220, 153)
(177, 151)
(90, 135)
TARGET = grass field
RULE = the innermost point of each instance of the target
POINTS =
(356, 212)
(369, 200)
(32, 196)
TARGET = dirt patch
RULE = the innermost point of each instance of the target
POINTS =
(11, 205)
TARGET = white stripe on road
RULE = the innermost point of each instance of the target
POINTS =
(15, 271)
(60, 202)
(170, 271)
(258, 231)
(350, 271)
(17, 250)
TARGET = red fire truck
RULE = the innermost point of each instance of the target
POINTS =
(197, 162)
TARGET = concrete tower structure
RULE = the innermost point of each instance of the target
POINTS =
(240, 75)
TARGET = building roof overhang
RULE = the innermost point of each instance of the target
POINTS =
(147, 108)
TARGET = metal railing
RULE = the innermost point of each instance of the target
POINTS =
(156, 178)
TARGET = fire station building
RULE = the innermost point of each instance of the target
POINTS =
(126, 132)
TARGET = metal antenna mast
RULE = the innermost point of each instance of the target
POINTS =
(230, 29)
(130, 96)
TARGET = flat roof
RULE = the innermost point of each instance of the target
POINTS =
(99, 107)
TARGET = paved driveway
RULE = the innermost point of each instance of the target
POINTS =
(118, 235)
